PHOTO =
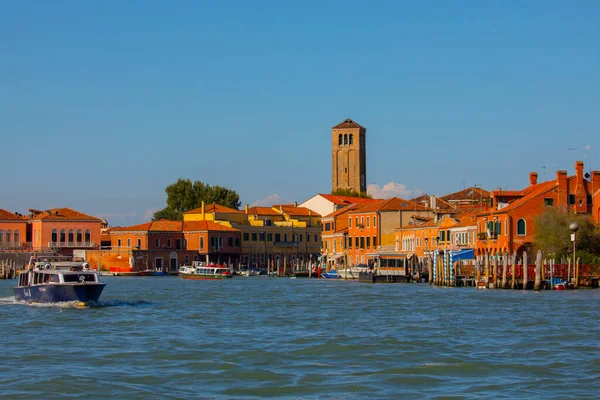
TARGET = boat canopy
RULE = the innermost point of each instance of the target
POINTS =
(463, 254)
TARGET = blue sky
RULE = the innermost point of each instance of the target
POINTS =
(103, 104)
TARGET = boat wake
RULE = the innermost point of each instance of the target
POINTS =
(7, 301)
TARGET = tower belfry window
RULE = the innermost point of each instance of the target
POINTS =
(345, 139)
(350, 142)
(340, 140)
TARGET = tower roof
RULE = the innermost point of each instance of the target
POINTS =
(348, 123)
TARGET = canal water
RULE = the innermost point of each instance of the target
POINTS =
(167, 338)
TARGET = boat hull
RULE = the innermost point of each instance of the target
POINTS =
(198, 277)
(55, 293)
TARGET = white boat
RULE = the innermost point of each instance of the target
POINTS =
(351, 273)
(202, 271)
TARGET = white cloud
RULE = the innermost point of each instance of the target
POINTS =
(149, 213)
(268, 201)
(391, 189)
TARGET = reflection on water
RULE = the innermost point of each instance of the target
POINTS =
(164, 337)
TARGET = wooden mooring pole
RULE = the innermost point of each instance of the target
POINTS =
(538, 271)
(504, 269)
(525, 263)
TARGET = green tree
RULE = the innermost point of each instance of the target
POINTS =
(351, 193)
(184, 195)
(553, 236)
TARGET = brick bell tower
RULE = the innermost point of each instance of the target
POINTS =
(349, 157)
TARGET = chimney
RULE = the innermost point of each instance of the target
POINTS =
(433, 202)
(579, 171)
(203, 207)
(246, 208)
(533, 177)
(295, 204)
(563, 190)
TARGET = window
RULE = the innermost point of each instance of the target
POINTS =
(356, 221)
(71, 236)
(269, 237)
(374, 222)
(63, 236)
(261, 236)
(118, 242)
(79, 236)
(88, 236)
(169, 243)
(316, 238)
(589, 199)
(139, 243)
(374, 241)
(254, 237)
(356, 242)
(349, 239)
(345, 139)
(278, 237)
(368, 222)
(230, 241)
(201, 242)
(246, 236)
(17, 236)
(157, 243)
(548, 202)
(571, 199)
(327, 226)
(506, 227)
(362, 242)
(307, 238)
(285, 237)
(237, 242)
(350, 139)
(300, 236)
(1, 236)
(187, 259)
(128, 242)
(368, 241)
(294, 237)
(177, 244)
(362, 220)
(340, 139)
(521, 227)
(350, 222)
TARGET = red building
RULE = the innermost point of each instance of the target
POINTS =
(13, 231)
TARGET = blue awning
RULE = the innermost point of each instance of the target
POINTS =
(464, 254)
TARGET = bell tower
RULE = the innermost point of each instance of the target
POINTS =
(349, 157)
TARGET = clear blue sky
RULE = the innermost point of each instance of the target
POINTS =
(103, 104)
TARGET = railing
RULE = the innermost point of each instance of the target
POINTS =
(71, 244)
(14, 245)
(286, 244)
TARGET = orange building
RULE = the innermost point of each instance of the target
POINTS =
(13, 231)
(509, 226)
(63, 230)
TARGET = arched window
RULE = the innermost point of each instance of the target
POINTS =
(79, 236)
(521, 227)
(340, 140)
(1, 236)
(351, 139)
(54, 236)
(17, 236)
(71, 236)
(63, 236)
(9, 236)
(88, 236)
(345, 139)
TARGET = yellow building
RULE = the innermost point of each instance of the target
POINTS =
(281, 235)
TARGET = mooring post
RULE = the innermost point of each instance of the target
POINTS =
(538, 270)
(525, 264)
(504, 269)
(577, 271)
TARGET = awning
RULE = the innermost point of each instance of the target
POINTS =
(337, 256)
(463, 254)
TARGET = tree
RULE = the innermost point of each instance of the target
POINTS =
(184, 195)
(553, 236)
(350, 193)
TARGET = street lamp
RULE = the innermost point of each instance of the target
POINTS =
(574, 227)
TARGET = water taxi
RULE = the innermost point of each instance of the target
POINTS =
(202, 271)
(57, 279)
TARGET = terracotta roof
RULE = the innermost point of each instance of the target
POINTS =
(203, 226)
(343, 210)
(347, 123)
(507, 193)
(210, 208)
(535, 191)
(466, 220)
(262, 211)
(294, 211)
(140, 227)
(6, 215)
(164, 225)
(63, 214)
(347, 200)
(393, 204)
(470, 193)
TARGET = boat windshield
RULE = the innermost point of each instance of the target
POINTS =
(79, 277)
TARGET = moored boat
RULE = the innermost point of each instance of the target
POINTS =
(331, 274)
(58, 279)
(201, 271)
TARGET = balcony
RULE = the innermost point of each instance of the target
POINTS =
(87, 245)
